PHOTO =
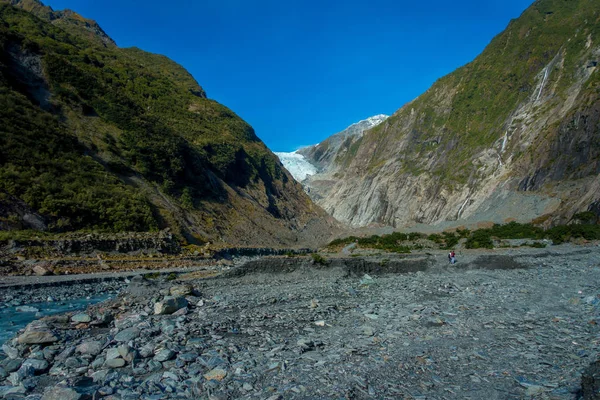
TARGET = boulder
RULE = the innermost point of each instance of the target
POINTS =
(81, 317)
(41, 270)
(169, 305)
(181, 290)
(37, 337)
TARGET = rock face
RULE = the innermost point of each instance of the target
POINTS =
(513, 134)
(316, 166)
(208, 178)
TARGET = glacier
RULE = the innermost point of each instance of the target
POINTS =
(297, 165)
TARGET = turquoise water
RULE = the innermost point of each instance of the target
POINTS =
(11, 320)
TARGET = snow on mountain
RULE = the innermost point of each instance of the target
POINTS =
(298, 166)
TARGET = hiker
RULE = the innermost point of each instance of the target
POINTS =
(452, 256)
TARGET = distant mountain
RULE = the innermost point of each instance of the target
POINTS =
(324, 154)
(95, 137)
(316, 165)
(515, 134)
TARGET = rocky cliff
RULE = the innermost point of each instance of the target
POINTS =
(96, 137)
(316, 166)
(514, 134)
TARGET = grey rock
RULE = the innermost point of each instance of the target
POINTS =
(112, 353)
(15, 378)
(127, 334)
(164, 355)
(115, 363)
(37, 337)
(61, 393)
(98, 362)
(147, 350)
(169, 305)
(92, 347)
(37, 365)
(12, 365)
(181, 290)
(10, 351)
(81, 317)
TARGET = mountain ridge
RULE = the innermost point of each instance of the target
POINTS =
(103, 138)
(517, 124)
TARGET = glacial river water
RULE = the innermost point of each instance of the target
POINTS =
(11, 320)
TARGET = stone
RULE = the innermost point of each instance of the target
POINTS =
(40, 270)
(15, 378)
(164, 355)
(115, 363)
(98, 362)
(75, 362)
(367, 330)
(12, 365)
(93, 347)
(181, 290)
(147, 350)
(188, 357)
(169, 305)
(112, 353)
(217, 374)
(81, 317)
(127, 334)
(37, 365)
(61, 393)
(10, 351)
(37, 337)
(99, 376)
(16, 390)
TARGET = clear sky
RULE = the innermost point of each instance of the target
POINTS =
(301, 70)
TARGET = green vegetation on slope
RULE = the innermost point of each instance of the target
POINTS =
(398, 242)
(92, 115)
(467, 110)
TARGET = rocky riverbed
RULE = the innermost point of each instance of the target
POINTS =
(507, 324)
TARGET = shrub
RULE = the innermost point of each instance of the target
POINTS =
(319, 259)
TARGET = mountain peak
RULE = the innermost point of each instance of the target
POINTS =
(66, 19)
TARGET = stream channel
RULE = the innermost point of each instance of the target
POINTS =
(12, 319)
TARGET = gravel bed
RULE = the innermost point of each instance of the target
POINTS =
(497, 325)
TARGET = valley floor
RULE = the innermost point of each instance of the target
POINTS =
(506, 324)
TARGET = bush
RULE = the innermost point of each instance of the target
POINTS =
(319, 259)
(480, 239)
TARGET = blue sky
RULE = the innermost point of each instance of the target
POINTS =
(301, 70)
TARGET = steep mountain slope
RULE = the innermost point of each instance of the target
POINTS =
(513, 134)
(324, 154)
(315, 166)
(103, 138)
